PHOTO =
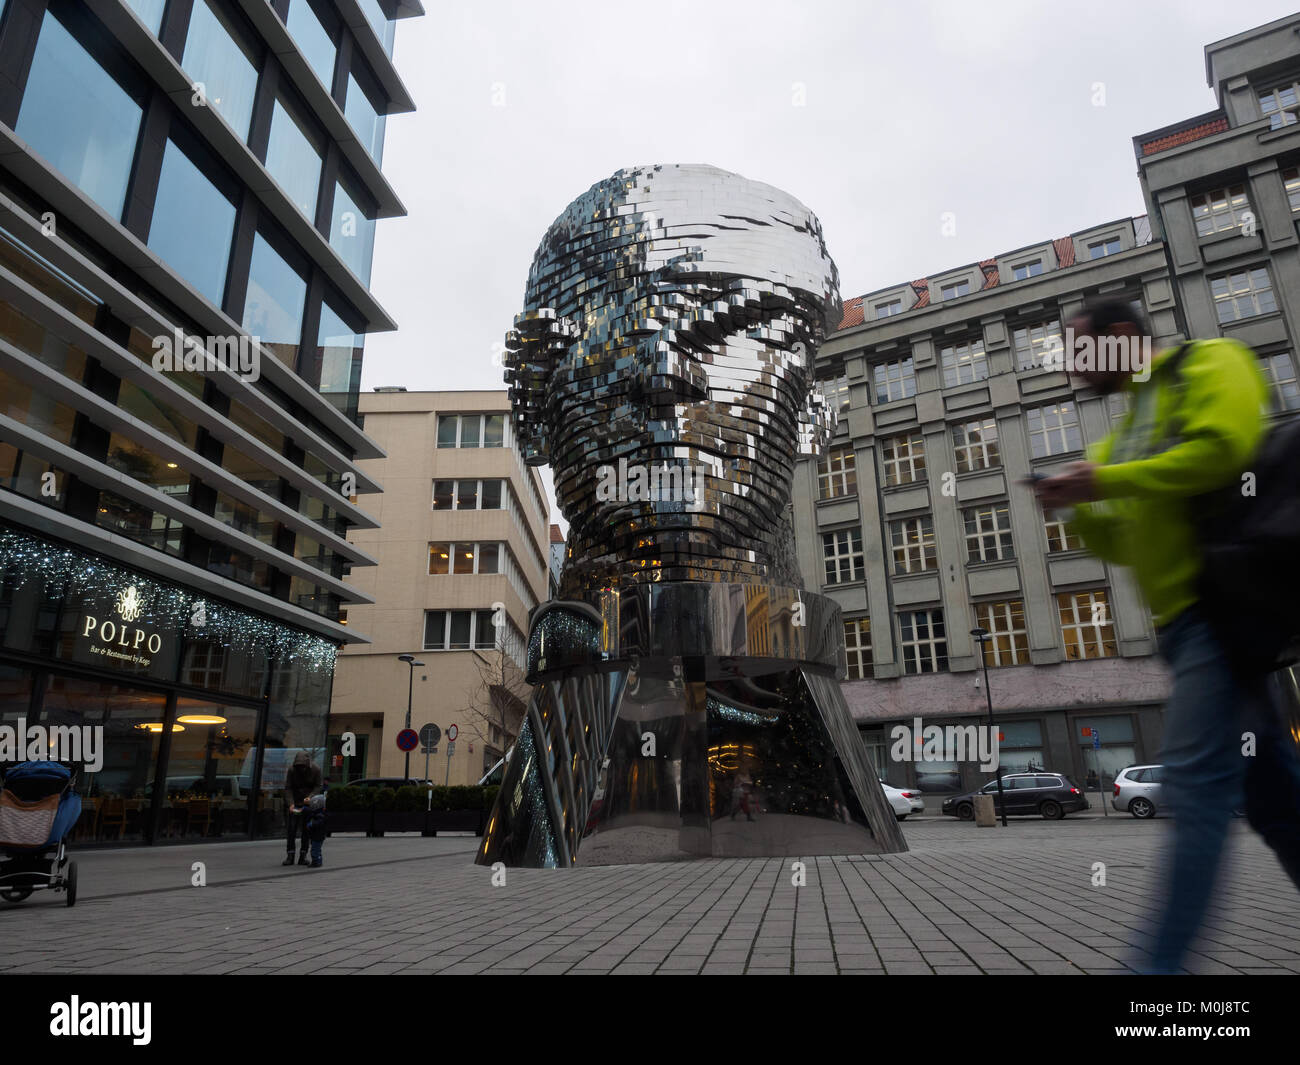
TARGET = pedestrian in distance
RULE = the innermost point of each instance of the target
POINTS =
(301, 782)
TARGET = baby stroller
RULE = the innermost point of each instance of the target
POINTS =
(38, 808)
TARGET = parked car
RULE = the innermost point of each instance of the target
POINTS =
(388, 782)
(1138, 790)
(904, 801)
(1050, 795)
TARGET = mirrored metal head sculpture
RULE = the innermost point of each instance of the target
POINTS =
(663, 366)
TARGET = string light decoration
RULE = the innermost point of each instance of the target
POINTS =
(72, 575)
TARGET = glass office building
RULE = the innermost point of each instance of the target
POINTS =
(188, 196)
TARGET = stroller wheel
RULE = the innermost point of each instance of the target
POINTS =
(16, 894)
(70, 882)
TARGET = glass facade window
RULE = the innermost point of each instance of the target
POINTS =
(313, 39)
(352, 233)
(150, 12)
(216, 59)
(1220, 210)
(1278, 106)
(903, 458)
(365, 119)
(293, 158)
(988, 533)
(835, 390)
(274, 305)
(1280, 373)
(338, 354)
(25, 404)
(76, 115)
(380, 22)
(1291, 183)
(913, 545)
(139, 462)
(192, 225)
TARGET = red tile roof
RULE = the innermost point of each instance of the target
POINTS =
(1185, 136)
(557, 537)
(922, 290)
(1064, 251)
(991, 277)
(853, 313)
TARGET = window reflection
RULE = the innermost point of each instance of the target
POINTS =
(313, 39)
(150, 12)
(274, 304)
(352, 232)
(293, 158)
(366, 119)
(79, 118)
(339, 351)
(216, 58)
(192, 224)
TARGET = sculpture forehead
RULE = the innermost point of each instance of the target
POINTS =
(678, 221)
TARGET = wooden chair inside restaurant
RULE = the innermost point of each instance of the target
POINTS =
(88, 822)
(113, 815)
(198, 815)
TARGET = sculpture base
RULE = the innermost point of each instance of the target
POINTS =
(665, 756)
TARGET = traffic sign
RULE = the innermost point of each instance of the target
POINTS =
(452, 733)
(429, 735)
(407, 739)
(1096, 740)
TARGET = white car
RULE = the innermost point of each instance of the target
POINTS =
(904, 802)
(1138, 790)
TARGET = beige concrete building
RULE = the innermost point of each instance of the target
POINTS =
(462, 553)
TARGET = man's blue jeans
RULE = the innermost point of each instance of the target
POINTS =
(1210, 772)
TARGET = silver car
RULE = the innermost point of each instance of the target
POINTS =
(1138, 790)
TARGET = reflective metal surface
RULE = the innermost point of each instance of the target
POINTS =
(687, 700)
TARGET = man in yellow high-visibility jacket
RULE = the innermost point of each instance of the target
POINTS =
(1195, 424)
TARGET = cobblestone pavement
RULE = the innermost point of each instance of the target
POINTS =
(964, 900)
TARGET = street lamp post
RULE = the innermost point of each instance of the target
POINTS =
(981, 635)
(410, 684)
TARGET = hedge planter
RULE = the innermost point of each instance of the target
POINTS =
(352, 821)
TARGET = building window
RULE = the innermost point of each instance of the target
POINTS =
(216, 59)
(1276, 106)
(976, 445)
(313, 40)
(367, 119)
(273, 306)
(192, 225)
(922, 643)
(293, 158)
(1007, 643)
(78, 117)
(957, 288)
(842, 554)
(459, 630)
(857, 644)
(894, 380)
(150, 12)
(1242, 294)
(458, 558)
(888, 310)
(837, 473)
(964, 363)
(1099, 249)
(352, 230)
(1059, 535)
(912, 542)
(903, 458)
(1291, 182)
(1039, 344)
(471, 430)
(1280, 373)
(468, 495)
(835, 390)
(1020, 746)
(1118, 404)
(988, 533)
(339, 351)
(1053, 429)
(1220, 209)
(1026, 270)
(1086, 624)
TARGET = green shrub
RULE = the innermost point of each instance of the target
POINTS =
(384, 799)
(410, 799)
(490, 796)
(346, 800)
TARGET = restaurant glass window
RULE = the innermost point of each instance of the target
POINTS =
(115, 801)
(1020, 746)
(209, 771)
(296, 723)
(1118, 747)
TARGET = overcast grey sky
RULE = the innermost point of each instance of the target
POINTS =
(984, 108)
